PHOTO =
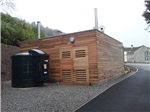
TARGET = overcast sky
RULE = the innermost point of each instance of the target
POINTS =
(122, 18)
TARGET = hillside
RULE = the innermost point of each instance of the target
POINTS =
(46, 30)
(6, 52)
(15, 30)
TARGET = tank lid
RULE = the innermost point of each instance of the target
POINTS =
(21, 54)
(37, 52)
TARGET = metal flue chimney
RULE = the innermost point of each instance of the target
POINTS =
(96, 19)
(38, 29)
(131, 46)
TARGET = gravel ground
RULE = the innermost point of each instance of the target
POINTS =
(51, 97)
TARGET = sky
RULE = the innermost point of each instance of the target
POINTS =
(122, 19)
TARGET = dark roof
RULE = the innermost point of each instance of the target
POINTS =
(59, 31)
(127, 49)
(131, 50)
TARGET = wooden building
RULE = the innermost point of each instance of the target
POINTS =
(91, 58)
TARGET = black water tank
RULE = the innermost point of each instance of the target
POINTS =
(30, 69)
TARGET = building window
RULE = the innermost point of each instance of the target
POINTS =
(147, 55)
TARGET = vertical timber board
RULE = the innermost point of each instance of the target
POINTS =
(110, 57)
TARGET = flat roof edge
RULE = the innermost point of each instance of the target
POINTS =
(69, 34)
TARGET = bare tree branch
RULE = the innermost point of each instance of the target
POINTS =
(7, 6)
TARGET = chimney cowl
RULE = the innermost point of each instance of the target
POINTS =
(131, 46)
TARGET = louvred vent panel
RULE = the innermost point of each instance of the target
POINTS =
(80, 53)
(81, 75)
(66, 54)
(66, 75)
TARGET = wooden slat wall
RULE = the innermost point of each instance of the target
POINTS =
(110, 57)
(105, 54)
(52, 47)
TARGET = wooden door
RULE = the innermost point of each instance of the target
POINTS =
(80, 66)
(66, 65)
(74, 65)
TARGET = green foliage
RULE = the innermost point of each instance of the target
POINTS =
(47, 31)
(14, 30)
(146, 13)
(34, 29)
(147, 16)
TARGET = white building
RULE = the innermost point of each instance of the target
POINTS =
(139, 54)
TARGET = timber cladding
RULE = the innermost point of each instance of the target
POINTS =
(92, 57)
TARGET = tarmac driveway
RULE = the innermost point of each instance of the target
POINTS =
(129, 95)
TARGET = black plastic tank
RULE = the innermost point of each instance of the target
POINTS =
(30, 69)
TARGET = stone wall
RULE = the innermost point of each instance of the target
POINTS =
(139, 55)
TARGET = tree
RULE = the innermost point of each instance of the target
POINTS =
(7, 5)
(14, 30)
(34, 29)
(33, 24)
(146, 13)
(46, 30)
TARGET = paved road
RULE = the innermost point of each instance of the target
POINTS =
(129, 95)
